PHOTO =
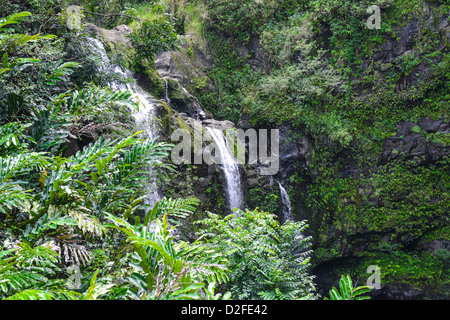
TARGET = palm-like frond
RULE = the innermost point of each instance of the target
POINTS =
(163, 268)
(12, 168)
(10, 104)
(24, 274)
(88, 223)
(176, 208)
(348, 291)
(53, 73)
(93, 100)
(13, 196)
(96, 289)
(49, 129)
(140, 156)
(10, 136)
(32, 294)
(19, 164)
(14, 18)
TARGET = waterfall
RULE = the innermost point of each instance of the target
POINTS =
(200, 112)
(144, 121)
(230, 169)
(286, 204)
(144, 117)
(167, 92)
(197, 112)
(99, 51)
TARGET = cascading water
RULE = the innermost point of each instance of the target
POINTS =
(167, 92)
(286, 204)
(230, 169)
(201, 113)
(144, 118)
(99, 51)
(229, 163)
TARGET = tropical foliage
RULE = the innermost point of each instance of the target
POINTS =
(365, 112)
(268, 260)
(75, 221)
(348, 291)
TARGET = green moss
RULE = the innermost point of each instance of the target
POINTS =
(405, 199)
(152, 80)
(417, 269)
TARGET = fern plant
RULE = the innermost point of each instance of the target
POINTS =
(26, 274)
(267, 260)
(162, 267)
(49, 129)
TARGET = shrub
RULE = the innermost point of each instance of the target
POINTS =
(267, 260)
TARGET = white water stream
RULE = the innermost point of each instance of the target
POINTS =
(286, 204)
(230, 169)
(144, 117)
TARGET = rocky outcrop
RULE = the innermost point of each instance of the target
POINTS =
(295, 151)
(419, 142)
(254, 54)
(425, 142)
(184, 102)
(118, 34)
(395, 53)
(166, 66)
(186, 66)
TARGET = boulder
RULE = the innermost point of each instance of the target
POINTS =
(118, 34)
(221, 125)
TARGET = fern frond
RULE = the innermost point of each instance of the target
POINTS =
(180, 208)
(88, 223)
(14, 18)
(94, 100)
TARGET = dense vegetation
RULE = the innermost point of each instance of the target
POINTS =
(375, 183)
(74, 220)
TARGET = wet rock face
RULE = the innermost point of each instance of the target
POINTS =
(216, 124)
(182, 73)
(184, 102)
(166, 66)
(398, 292)
(435, 245)
(294, 151)
(419, 141)
(433, 126)
(254, 54)
(185, 66)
